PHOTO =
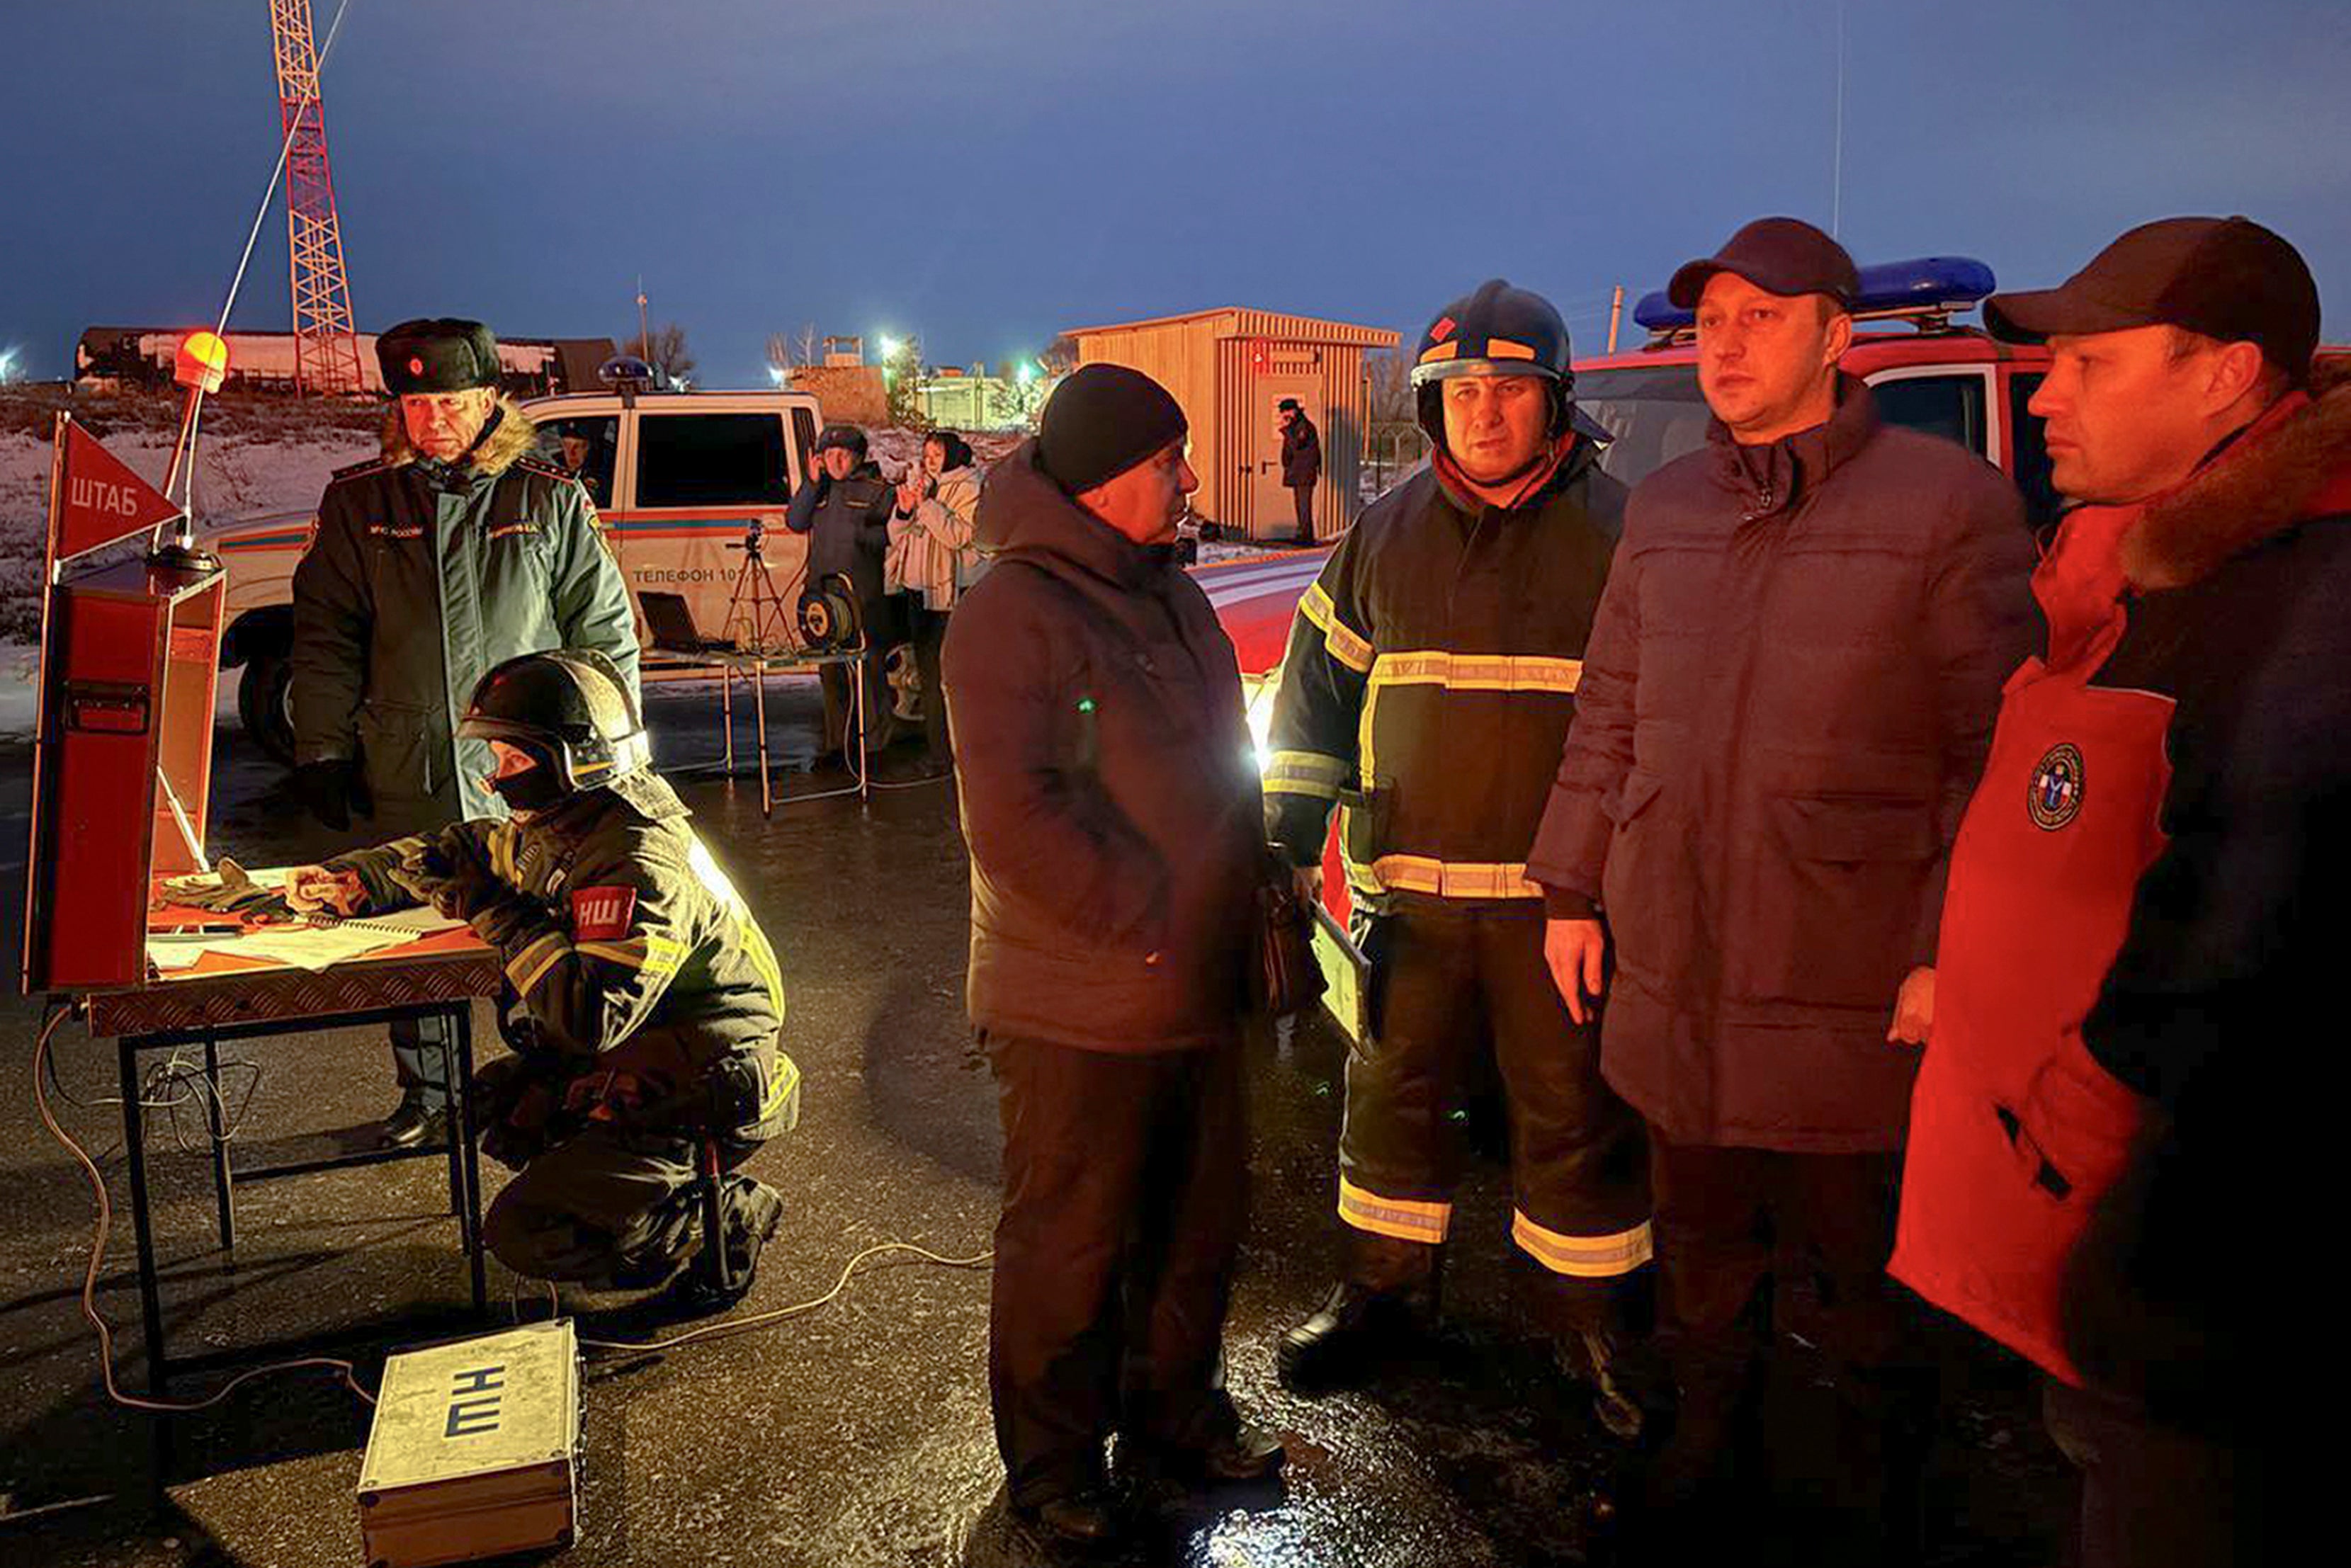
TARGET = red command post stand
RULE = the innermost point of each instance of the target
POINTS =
(122, 758)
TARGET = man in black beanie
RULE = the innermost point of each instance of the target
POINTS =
(1114, 819)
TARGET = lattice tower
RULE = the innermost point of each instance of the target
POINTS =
(325, 344)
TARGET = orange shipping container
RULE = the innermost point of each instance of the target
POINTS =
(1229, 368)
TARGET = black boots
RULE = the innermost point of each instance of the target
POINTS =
(1390, 1295)
(410, 1124)
(1597, 1359)
(755, 1212)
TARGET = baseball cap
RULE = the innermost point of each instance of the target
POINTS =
(2228, 278)
(1786, 256)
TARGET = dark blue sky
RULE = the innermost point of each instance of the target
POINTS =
(986, 171)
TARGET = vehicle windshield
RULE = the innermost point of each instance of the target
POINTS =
(1654, 413)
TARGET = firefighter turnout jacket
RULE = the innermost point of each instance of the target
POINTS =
(652, 989)
(1426, 691)
(1428, 683)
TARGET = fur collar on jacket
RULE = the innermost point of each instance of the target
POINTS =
(2298, 467)
(514, 436)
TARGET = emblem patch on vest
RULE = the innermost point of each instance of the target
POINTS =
(2056, 796)
(601, 913)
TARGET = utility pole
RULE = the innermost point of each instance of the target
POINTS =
(644, 333)
(1615, 313)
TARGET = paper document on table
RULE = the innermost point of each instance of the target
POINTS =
(317, 947)
(422, 921)
(312, 948)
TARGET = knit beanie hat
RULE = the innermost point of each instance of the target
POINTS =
(1102, 420)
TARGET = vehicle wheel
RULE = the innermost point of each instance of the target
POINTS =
(264, 705)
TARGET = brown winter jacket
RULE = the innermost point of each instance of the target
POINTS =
(1786, 703)
(1108, 795)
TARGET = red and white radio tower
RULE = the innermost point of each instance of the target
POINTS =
(326, 345)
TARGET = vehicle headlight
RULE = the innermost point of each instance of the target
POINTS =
(1258, 695)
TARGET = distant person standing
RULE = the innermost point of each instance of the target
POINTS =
(844, 508)
(931, 562)
(456, 551)
(1302, 463)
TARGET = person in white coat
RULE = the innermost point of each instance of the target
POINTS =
(931, 562)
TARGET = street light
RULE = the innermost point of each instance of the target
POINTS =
(890, 347)
(7, 364)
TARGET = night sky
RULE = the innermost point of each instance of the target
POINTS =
(986, 173)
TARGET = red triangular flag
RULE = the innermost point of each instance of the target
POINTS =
(98, 498)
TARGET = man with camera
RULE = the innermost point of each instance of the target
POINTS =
(844, 509)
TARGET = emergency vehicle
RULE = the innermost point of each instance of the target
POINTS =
(679, 480)
(1926, 370)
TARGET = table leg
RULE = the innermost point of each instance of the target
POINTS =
(135, 1142)
(759, 698)
(461, 1125)
(216, 1123)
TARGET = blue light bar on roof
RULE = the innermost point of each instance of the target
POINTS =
(1928, 283)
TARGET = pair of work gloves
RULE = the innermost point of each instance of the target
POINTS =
(229, 890)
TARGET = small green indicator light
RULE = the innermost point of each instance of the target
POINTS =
(1085, 705)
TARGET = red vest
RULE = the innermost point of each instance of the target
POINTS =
(2014, 1130)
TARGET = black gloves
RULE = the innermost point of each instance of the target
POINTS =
(470, 886)
(450, 873)
(332, 790)
(516, 1103)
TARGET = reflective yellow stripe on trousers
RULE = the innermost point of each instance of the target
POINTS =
(1585, 1257)
(1406, 1219)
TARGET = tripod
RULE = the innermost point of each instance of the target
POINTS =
(755, 605)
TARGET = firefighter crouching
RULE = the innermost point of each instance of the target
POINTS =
(651, 1000)
(1426, 689)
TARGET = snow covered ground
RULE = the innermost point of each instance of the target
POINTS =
(249, 468)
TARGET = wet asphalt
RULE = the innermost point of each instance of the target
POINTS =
(857, 1432)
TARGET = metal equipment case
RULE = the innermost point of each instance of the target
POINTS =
(474, 1450)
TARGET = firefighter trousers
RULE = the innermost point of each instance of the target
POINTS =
(1455, 989)
(612, 1207)
(1126, 1196)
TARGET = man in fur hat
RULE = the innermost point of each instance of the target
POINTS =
(2119, 1098)
(454, 551)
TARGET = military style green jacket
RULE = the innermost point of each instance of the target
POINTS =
(422, 577)
(651, 986)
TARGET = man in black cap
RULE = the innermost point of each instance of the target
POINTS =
(2196, 689)
(1428, 684)
(455, 551)
(1302, 463)
(1788, 698)
(844, 508)
(1111, 813)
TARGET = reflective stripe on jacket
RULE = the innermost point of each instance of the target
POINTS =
(1428, 683)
